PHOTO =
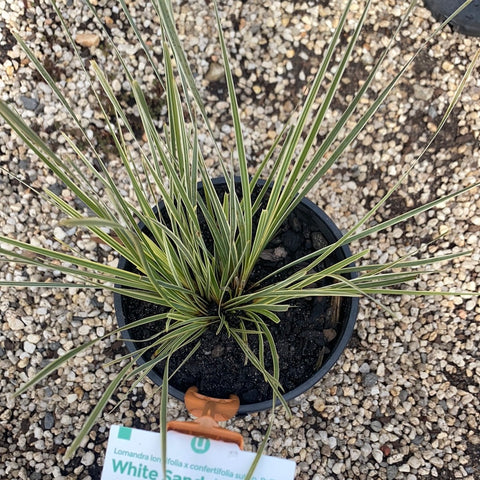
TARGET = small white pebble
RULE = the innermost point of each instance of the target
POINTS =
(29, 347)
(88, 459)
(84, 330)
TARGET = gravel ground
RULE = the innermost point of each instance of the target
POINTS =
(402, 403)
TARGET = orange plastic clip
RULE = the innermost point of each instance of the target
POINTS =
(209, 411)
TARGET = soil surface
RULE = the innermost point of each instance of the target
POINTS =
(304, 337)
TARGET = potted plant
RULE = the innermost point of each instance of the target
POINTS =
(195, 257)
(308, 338)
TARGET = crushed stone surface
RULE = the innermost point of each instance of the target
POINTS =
(403, 401)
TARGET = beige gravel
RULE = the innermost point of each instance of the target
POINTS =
(403, 402)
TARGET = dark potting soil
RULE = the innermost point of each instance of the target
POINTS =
(303, 338)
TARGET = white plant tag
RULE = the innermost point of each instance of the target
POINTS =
(133, 454)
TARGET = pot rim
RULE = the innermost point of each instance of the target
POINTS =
(332, 234)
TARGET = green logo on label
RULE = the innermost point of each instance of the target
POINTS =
(200, 445)
(124, 433)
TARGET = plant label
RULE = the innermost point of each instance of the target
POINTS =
(133, 454)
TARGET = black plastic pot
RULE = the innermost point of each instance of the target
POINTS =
(347, 319)
(466, 22)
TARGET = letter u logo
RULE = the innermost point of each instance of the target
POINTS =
(200, 445)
